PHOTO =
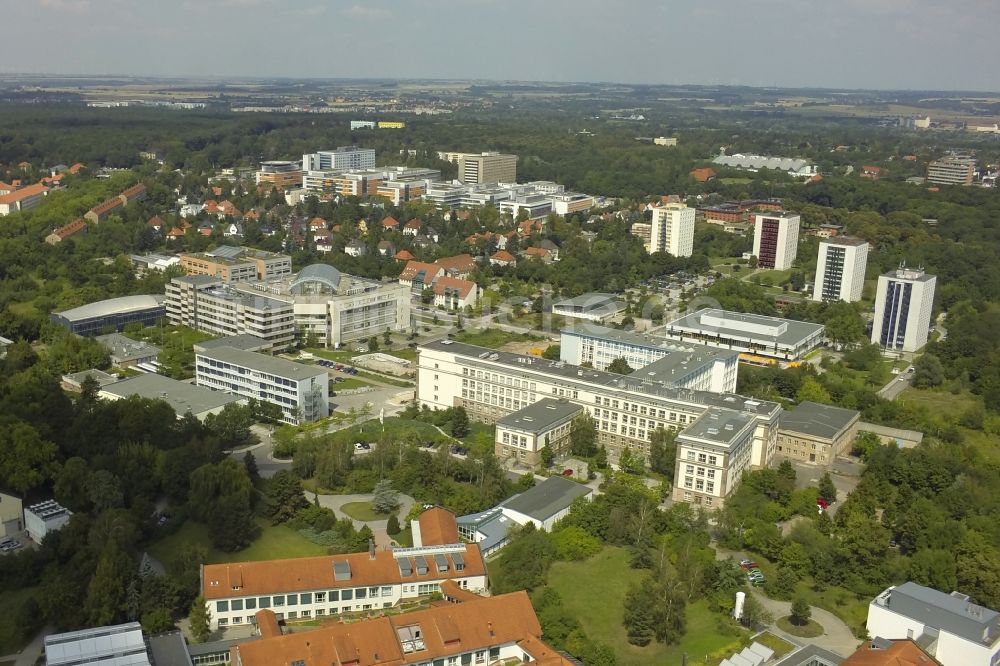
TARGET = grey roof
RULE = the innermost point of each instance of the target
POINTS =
(590, 301)
(761, 162)
(720, 426)
(812, 418)
(737, 324)
(645, 340)
(811, 655)
(548, 498)
(654, 387)
(263, 362)
(183, 397)
(226, 252)
(953, 612)
(911, 274)
(124, 348)
(112, 306)
(169, 649)
(102, 378)
(118, 645)
(197, 280)
(243, 341)
(843, 240)
(541, 415)
(324, 273)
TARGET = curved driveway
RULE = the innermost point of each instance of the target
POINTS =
(836, 637)
(382, 539)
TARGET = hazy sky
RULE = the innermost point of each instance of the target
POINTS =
(925, 44)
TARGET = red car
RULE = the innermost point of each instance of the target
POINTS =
(822, 503)
(567, 472)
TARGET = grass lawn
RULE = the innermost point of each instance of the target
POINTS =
(941, 402)
(494, 338)
(775, 278)
(274, 542)
(10, 638)
(177, 355)
(363, 511)
(409, 353)
(331, 355)
(404, 538)
(349, 383)
(394, 428)
(810, 630)
(606, 577)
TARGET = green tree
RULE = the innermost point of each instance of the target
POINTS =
(250, 463)
(198, 618)
(583, 436)
(552, 352)
(827, 490)
(801, 612)
(232, 425)
(928, 371)
(548, 455)
(663, 452)
(459, 422)
(784, 583)
(631, 462)
(283, 497)
(640, 615)
(385, 498)
(105, 601)
(372, 344)
(575, 543)
(620, 366)
(755, 616)
(157, 621)
(812, 390)
(26, 460)
(601, 458)
(387, 337)
(392, 525)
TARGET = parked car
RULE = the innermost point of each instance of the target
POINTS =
(822, 503)
(748, 564)
(567, 472)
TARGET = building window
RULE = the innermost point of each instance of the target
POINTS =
(222, 606)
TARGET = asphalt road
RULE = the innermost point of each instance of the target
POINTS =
(897, 385)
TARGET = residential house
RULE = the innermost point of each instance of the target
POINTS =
(459, 266)
(703, 175)
(404, 255)
(323, 238)
(418, 275)
(233, 229)
(502, 258)
(317, 223)
(386, 248)
(155, 223)
(872, 172)
(390, 224)
(412, 228)
(355, 248)
(883, 652)
(454, 293)
(77, 226)
(537, 253)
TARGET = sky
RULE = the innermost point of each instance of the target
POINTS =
(875, 44)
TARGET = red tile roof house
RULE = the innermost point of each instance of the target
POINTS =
(390, 223)
(455, 294)
(458, 266)
(404, 255)
(703, 175)
(419, 275)
(503, 258)
(412, 228)
(77, 226)
(24, 199)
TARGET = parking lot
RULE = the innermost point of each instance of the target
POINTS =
(10, 544)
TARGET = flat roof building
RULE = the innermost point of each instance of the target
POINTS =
(626, 409)
(44, 517)
(111, 314)
(775, 240)
(592, 306)
(817, 433)
(655, 357)
(521, 435)
(126, 352)
(840, 269)
(712, 454)
(237, 264)
(545, 503)
(243, 341)
(181, 396)
(339, 159)
(117, 645)
(672, 230)
(952, 170)
(785, 339)
(490, 167)
(904, 301)
(300, 390)
(953, 629)
(11, 515)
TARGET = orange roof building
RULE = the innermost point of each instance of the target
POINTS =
(422, 273)
(435, 527)
(458, 266)
(25, 198)
(503, 258)
(310, 587)
(455, 293)
(77, 226)
(404, 255)
(882, 652)
(482, 630)
(703, 175)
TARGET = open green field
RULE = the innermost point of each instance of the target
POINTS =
(771, 278)
(10, 639)
(349, 383)
(177, 355)
(941, 402)
(274, 542)
(494, 338)
(594, 591)
(363, 511)
(811, 629)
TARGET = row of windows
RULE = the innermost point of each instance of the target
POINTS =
(707, 501)
(500, 379)
(700, 471)
(699, 484)
(279, 600)
(703, 458)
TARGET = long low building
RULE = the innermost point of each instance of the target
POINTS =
(690, 366)
(785, 339)
(300, 390)
(817, 433)
(317, 587)
(592, 306)
(112, 314)
(181, 396)
(627, 409)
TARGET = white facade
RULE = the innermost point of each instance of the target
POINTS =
(712, 455)
(785, 339)
(45, 517)
(775, 240)
(840, 269)
(491, 384)
(300, 390)
(964, 634)
(118, 645)
(903, 305)
(343, 158)
(672, 230)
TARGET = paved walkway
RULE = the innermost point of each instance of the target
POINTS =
(836, 637)
(32, 651)
(378, 527)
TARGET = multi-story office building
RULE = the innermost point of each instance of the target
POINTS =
(785, 339)
(317, 587)
(336, 307)
(237, 264)
(470, 630)
(489, 167)
(817, 433)
(712, 454)
(208, 304)
(627, 409)
(342, 159)
(300, 390)
(524, 433)
(840, 269)
(953, 629)
(281, 174)
(903, 304)
(672, 230)
(684, 365)
(953, 170)
(775, 240)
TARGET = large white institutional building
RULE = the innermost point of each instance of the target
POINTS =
(775, 240)
(672, 230)
(903, 305)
